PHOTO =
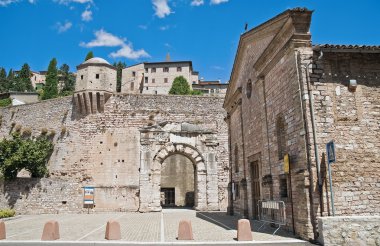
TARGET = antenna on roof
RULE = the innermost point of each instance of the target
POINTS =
(168, 57)
(246, 26)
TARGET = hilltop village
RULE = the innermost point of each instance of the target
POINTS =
(260, 138)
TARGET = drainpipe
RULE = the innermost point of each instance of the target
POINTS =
(230, 209)
(244, 181)
(307, 141)
(267, 130)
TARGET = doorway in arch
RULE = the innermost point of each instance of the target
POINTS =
(177, 182)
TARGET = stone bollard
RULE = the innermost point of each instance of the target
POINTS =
(51, 231)
(113, 230)
(185, 232)
(244, 230)
(2, 230)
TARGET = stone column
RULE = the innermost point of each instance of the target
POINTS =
(212, 182)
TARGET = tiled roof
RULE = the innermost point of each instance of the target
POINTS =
(348, 47)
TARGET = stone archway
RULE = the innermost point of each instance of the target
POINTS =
(158, 143)
(200, 174)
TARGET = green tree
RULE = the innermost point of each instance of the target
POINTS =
(89, 55)
(68, 80)
(119, 66)
(23, 82)
(11, 80)
(3, 80)
(30, 154)
(51, 85)
(180, 86)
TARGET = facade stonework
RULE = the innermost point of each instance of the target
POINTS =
(287, 96)
(118, 152)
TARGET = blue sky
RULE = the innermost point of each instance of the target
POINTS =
(203, 31)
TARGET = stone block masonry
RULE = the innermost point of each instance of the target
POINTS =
(103, 150)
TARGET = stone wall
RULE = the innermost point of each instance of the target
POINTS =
(349, 230)
(351, 119)
(103, 149)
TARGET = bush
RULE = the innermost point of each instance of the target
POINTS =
(31, 154)
(6, 213)
(44, 131)
(5, 102)
(27, 132)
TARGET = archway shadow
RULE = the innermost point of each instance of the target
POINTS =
(19, 188)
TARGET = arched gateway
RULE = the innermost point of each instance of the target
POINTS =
(198, 145)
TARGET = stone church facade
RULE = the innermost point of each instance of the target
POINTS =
(139, 152)
(287, 96)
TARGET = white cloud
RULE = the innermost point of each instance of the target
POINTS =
(217, 67)
(104, 38)
(216, 2)
(87, 15)
(161, 8)
(32, 1)
(144, 27)
(164, 28)
(128, 52)
(197, 3)
(66, 2)
(63, 27)
(4, 3)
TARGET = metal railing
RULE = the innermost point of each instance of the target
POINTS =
(272, 212)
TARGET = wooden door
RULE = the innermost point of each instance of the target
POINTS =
(255, 188)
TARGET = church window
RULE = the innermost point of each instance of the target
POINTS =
(97, 76)
(281, 141)
(249, 88)
(236, 158)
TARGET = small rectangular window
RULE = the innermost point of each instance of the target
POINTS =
(165, 80)
(146, 80)
(146, 70)
(97, 76)
(153, 80)
(153, 70)
(81, 77)
(283, 186)
(133, 74)
(166, 69)
(146, 88)
(132, 86)
(179, 69)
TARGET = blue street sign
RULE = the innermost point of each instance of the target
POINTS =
(330, 147)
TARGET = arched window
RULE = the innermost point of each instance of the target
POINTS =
(281, 141)
(248, 88)
(236, 158)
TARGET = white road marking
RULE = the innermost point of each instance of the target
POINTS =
(162, 228)
(97, 229)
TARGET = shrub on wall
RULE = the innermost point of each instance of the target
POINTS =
(31, 154)
(6, 213)
(5, 102)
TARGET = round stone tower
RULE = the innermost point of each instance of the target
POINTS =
(96, 74)
(95, 83)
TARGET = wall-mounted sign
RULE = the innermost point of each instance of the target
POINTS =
(330, 147)
(89, 195)
(286, 163)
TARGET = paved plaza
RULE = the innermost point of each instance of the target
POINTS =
(139, 227)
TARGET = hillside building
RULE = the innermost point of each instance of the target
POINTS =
(156, 77)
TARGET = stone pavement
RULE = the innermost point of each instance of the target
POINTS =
(138, 227)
